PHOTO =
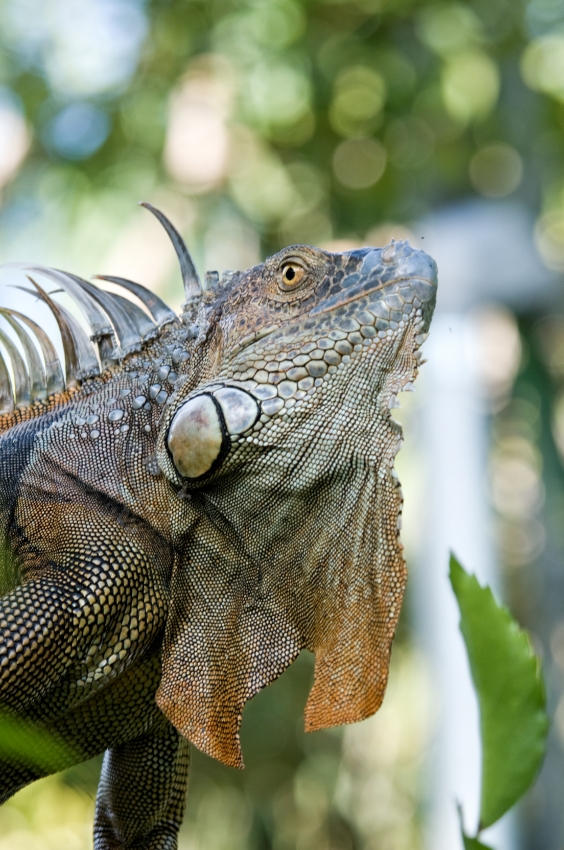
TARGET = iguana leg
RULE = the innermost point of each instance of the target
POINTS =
(92, 605)
(92, 598)
(142, 792)
(123, 711)
(40, 636)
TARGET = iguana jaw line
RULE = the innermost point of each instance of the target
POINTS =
(258, 335)
(330, 304)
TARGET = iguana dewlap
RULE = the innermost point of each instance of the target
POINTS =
(198, 499)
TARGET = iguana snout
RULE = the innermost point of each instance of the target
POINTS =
(391, 278)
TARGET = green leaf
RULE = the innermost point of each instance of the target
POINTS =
(473, 844)
(511, 696)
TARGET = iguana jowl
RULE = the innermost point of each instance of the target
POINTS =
(193, 505)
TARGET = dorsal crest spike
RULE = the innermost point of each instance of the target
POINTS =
(125, 328)
(161, 312)
(55, 382)
(80, 360)
(6, 394)
(191, 280)
(146, 328)
(96, 318)
(22, 390)
(36, 372)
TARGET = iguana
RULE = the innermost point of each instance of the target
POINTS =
(189, 507)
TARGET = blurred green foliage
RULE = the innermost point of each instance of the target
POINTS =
(474, 844)
(335, 117)
(528, 494)
(30, 745)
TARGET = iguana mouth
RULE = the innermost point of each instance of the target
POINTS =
(348, 296)
(256, 336)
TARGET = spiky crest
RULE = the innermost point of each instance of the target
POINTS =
(119, 328)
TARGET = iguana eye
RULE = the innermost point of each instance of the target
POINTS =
(292, 274)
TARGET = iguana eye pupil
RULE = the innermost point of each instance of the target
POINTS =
(291, 275)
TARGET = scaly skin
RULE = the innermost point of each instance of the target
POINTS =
(144, 608)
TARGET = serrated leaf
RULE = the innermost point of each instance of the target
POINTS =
(511, 695)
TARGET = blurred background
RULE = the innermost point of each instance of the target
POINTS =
(257, 123)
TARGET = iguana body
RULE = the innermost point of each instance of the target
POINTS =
(179, 527)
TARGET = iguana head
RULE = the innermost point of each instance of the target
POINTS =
(278, 336)
(254, 433)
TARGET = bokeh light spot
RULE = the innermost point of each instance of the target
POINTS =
(278, 93)
(78, 130)
(499, 354)
(197, 141)
(549, 239)
(496, 170)
(470, 86)
(542, 65)
(83, 47)
(277, 23)
(449, 28)
(359, 163)
(359, 95)
(14, 137)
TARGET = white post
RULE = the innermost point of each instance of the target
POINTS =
(456, 518)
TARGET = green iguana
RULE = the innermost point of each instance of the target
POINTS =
(192, 505)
